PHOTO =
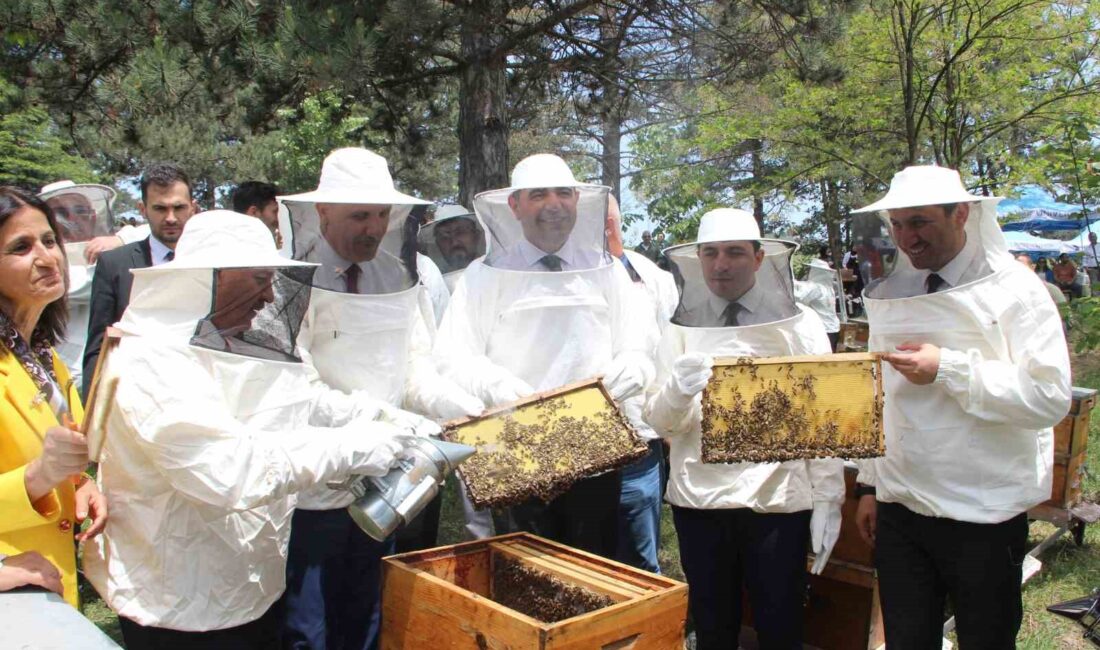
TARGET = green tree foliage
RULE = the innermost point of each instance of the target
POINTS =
(32, 151)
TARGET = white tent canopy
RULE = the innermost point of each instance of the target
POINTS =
(1028, 243)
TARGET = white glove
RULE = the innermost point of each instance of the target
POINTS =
(454, 402)
(508, 389)
(824, 531)
(410, 422)
(690, 373)
(623, 379)
(370, 447)
(64, 453)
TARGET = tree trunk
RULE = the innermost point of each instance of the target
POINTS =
(757, 172)
(611, 157)
(831, 216)
(482, 117)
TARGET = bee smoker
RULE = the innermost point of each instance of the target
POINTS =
(384, 503)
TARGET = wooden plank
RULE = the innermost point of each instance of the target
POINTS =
(623, 572)
(844, 357)
(562, 570)
(655, 622)
(420, 610)
(101, 396)
(579, 566)
(470, 571)
(504, 409)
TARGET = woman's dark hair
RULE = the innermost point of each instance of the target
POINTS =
(56, 315)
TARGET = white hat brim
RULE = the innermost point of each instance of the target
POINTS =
(899, 202)
(273, 261)
(356, 197)
(90, 191)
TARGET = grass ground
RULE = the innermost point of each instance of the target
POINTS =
(1068, 571)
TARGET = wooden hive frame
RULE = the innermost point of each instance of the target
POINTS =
(444, 598)
(776, 409)
(577, 427)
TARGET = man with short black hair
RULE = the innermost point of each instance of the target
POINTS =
(166, 203)
(975, 375)
(257, 199)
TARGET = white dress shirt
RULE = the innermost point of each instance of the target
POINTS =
(383, 274)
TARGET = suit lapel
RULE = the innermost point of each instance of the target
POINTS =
(142, 255)
(22, 394)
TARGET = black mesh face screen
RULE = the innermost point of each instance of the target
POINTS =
(256, 312)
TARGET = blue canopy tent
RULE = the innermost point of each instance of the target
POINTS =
(1044, 220)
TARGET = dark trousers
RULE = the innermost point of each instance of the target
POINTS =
(922, 561)
(723, 550)
(585, 517)
(423, 530)
(333, 583)
(260, 634)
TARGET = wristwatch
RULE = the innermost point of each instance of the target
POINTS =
(864, 490)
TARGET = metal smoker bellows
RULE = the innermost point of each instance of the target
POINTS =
(384, 503)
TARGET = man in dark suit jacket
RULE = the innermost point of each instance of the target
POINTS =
(166, 204)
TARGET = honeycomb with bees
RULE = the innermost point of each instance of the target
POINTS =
(788, 408)
(540, 446)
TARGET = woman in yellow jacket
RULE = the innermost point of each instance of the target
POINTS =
(43, 497)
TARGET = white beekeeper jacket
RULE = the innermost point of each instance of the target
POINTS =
(511, 319)
(656, 299)
(374, 343)
(205, 448)
(785, 487)
(818, 293)
(976, 445)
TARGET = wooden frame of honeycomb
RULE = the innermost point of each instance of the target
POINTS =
(541, 445)
(788, 408)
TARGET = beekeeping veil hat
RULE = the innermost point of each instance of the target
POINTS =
(452, 240)
(227, 289)
(913, 187)
(386, 251)
(718, 277)
(545, 212)
(83, 210)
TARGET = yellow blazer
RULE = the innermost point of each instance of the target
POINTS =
(48, 525)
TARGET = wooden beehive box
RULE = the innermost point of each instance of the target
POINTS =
(787, 408)
(541, 445)
(1071, 440)
(449, 597)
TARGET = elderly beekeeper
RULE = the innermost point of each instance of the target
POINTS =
(740, 525)
(977, 374)
(213, 430)
(83, 213)
(818, 292)
(367, 333)
(546, 306)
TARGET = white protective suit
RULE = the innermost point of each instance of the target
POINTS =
(77, 231)
(786, 487)
(818, 292)
(374, 344)
(655, 299)
(212, 433)
(976, 445)
(513, 327)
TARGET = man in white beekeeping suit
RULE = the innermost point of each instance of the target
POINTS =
(212, 431)
(367, 333)
(740, 525)
(640, 501)
(977, 374)
(547, 306)
(84, 214)
(452, 240)
(818, 292)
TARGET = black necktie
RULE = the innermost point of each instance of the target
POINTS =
(730, 314)
(630, 269)
(551, 262)
(170, 256)
(351, 276)
(934, 282)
